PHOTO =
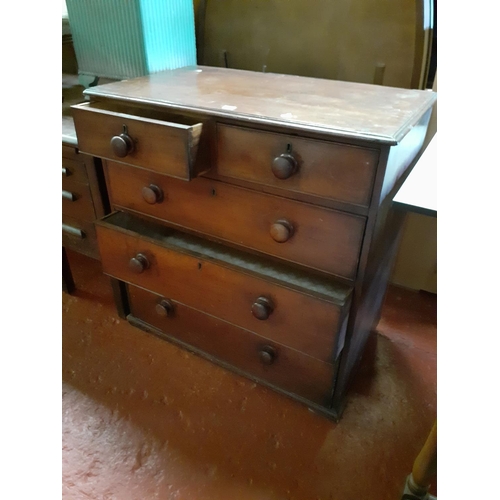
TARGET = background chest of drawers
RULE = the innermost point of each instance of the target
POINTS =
(251, 215)
(84, 194)
(79, 210)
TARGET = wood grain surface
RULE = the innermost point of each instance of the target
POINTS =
(308, 312)
(289, 370)
(322, 239)
(324, 169)
(167, 147)
(353, 110)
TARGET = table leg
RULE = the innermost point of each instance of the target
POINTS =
(424, 469)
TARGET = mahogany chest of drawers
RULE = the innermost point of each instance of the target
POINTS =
(251, 215)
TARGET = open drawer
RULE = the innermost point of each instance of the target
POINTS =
(143, 138)
(293, 308)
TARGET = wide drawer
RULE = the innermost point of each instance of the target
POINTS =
(79, 236)
(279, 303)
(77, 200)
(316, 237)
(269, 361)
(117, 133)
(318, 168)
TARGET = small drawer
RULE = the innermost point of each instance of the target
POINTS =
(295, 309)
(74, 171)
(297, 165)
(312, 236)
(79, 236)
(77, 200)
(276, 364)
(115, 132)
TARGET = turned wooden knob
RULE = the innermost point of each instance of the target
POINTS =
(262, 308)
(122, 144)
(164, 308)
(152, 194)
(267, 355)
(281, 231)
(138, 264)
(284, 166)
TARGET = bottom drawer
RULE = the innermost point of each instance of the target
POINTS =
(279, 366)
(79, 236)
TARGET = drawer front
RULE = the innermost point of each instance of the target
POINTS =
(69, 152)
(295, 316)
(161, 146)
(267, 360)
(77, 200)
(79, 236)
(74, 171)
(318, 168)
(312, 236)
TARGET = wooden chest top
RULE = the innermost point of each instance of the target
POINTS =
(345, 109)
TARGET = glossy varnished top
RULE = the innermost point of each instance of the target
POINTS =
(376, 113)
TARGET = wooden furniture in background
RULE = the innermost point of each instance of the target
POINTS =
(419, 193)
(385, 42)
(252, 215)
(416, 262)
(84, 197)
